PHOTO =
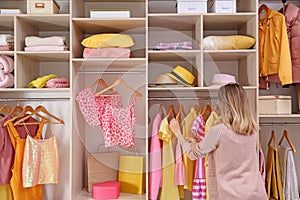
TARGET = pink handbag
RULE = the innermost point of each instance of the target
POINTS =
(106, 190)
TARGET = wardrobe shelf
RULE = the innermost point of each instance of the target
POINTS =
(114, 64)
(176, 55)
(93, 26)
(227, 55)
(162, 89)
(115, 1)
(279, 116)
(177, 22)
(283, 120)
(58, 22)
(8, 53)
(47, 56)
(227, 21)
(123, 196)
(41, 93)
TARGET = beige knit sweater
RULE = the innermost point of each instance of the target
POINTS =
(233, 172)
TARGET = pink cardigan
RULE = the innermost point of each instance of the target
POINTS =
(233, 169)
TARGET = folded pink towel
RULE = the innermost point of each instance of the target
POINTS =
(6, 80)
(46, 48)
(6, 64)
(6, 48)
(57, 83)
(106, 52)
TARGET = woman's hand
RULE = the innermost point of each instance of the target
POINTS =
(174, 126)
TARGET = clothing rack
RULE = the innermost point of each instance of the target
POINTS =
(30, 99)
(111, 72)
(180, 98)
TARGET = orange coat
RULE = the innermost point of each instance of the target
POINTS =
(274, 50)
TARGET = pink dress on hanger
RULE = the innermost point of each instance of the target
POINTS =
(199, 183)
(155, 175)
(118, 123)
(180, 177)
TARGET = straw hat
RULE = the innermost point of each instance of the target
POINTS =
(182, 75)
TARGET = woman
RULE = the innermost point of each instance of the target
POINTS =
(232, 149)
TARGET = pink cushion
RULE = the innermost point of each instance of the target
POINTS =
(106, 190)
(6, 80)
(6, 64)
(106, 53)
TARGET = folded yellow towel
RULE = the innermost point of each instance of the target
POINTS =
(41, 81)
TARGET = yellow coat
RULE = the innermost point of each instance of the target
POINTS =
(274, 50)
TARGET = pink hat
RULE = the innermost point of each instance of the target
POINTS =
(222, 79)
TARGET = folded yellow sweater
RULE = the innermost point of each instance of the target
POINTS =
(41, 81)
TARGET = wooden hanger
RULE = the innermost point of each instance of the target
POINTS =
(22, 112)
(285, 135)
(5, 109)
(160, 109)
(206, 112)
(117, 82)
(263, 8)
(15, 110)
(197, 108)
(274, 139)
(101, 81)
(171, 110)
(179, 113)
(39, 109)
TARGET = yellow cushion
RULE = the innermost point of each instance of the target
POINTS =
(108, 40)
(230, 42)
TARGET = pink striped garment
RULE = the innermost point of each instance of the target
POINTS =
(199, 182)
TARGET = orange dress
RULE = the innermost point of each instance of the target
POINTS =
(20, 193)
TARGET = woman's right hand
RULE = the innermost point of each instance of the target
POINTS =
(174, 126)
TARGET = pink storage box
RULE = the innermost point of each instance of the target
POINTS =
(106, 190)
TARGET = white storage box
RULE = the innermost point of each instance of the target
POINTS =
(273, 105)
(109, 14)
(192, 6)
(222, 6)
(42, 7)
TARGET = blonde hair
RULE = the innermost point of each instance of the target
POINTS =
(235, 109)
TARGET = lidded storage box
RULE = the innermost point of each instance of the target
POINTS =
(42, 7)
(272, 105)
(191, 6)
(222, 6)
(106, 190)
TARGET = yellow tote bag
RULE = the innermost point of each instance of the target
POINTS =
(131, 174)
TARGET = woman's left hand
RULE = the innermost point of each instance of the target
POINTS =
(174, 126)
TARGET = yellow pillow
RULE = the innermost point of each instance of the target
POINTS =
(230, 42)
(108, 40)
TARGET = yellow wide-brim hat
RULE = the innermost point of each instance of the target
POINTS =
(182, 75)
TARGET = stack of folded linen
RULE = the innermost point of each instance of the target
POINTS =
(6, 67)
(6, 42)
(185, 45)
(107, 45)
(52, 43)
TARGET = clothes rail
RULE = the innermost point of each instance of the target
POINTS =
(180, 98)
(111, 72)
(30, 99)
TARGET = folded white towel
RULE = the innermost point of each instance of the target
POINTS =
(46, 48)
(47, 41)
(6, 39)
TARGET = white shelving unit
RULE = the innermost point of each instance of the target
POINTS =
(150, 22)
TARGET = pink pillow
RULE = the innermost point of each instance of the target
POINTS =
(6, 64)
